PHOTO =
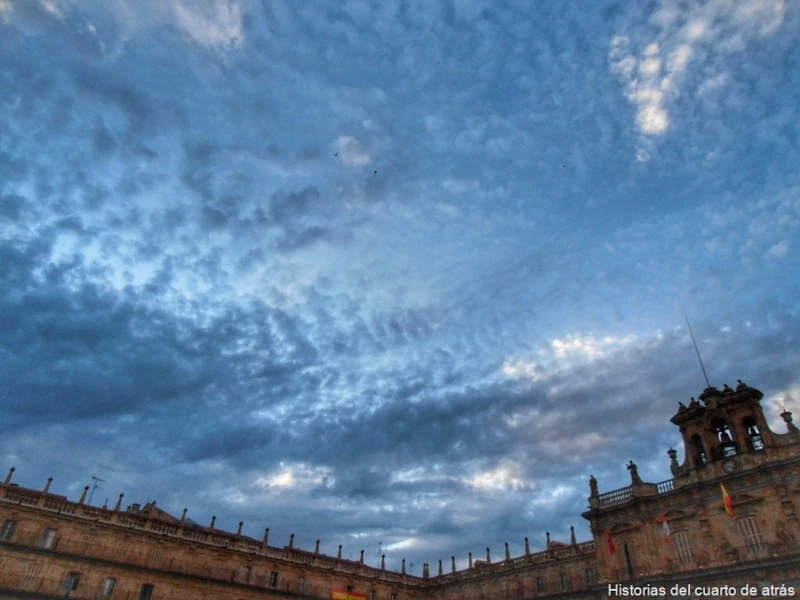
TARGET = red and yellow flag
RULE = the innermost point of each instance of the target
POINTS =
(727, 500)
(345, 595)
(611, 545)
(665, 527)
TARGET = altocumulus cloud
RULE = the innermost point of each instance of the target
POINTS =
(396, 273)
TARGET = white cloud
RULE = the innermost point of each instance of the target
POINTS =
(779, 249)
(216, 24)
(520, 369)
(500, 479)
(649, 84)
(587, 346)
(352, 152)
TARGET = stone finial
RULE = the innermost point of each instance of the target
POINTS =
(453, 564)
(635, 479)
(183, 517)
(470, 560)
(527, 547)
(441, 571)
(339, 555)
(265, 541)
(488, 556)
(119, 503)
(9, 476)
(572, 539)
(83, 495)
(383, 562)
(593, 486)
(425, 572)
(508, 554)
(548, 540)
(239, 531)
(361, 560)
(316, 548)
(740, 384)
(403, 568)
(213, 520)
(46, 489)
(291, 541)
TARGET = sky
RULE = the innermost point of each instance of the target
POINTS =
(397, 275)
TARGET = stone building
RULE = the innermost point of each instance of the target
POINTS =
(53, 547)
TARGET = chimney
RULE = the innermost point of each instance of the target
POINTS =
(453, 562)
(488, 556)
(470, 560)
(383, 562)
(403, 569)
(441, 572)
(527, 547)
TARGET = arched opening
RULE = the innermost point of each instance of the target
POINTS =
(727, 447)
(699, 457)
(755, 443)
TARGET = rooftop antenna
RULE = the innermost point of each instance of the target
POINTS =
(95, 486)
(697, 350)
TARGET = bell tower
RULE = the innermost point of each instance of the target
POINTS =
(724, 431)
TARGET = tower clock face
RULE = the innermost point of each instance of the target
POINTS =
(729, 466)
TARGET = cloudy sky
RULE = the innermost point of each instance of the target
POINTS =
(398, 274)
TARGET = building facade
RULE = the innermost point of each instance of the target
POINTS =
(650, 535)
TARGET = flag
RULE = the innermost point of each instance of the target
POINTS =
(345, 595)
(611, 546)
(665, 526)
(727, 500)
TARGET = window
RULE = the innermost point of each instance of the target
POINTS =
(302, 586)
(122, 549)
(72, 581)
(273, 579)
(147, 592)
(48, 538)
(179, 594)
(244, 574)
(591, 576)
(156, 555)
(394, 596)
(372, 595)
(86, 542)
(32, 575)
(108, 586)
(349, 588)
(683, 546)
(541, 585)
(753, 538)
(564, 582)
(7, 532)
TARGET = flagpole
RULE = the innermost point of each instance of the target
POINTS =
(697, 350)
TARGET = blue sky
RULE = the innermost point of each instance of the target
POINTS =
(396, 273)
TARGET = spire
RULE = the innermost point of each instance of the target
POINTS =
(183, 517)
(83, 495)
(47, 485)
(527, 547)
(508, 554)
(239, 531)
(470, 560)
(213, 520)
(572, 535)
(453, 563)
(441, 572)
(291, 541)
(488, 556)
(316, 548)
(119, 503)
(403, 569)
(339, 555)
(383, 562)
(9, 476)
(265, 541)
